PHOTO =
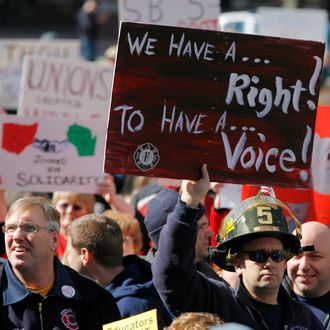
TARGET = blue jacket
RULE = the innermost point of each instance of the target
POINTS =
(184, 289)
(74, 302)
(135, 293)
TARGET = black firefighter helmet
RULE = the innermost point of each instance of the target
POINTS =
(255, 217)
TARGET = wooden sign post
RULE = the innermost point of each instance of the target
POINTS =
(243, 104)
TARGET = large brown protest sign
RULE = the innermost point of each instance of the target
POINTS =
(243, 104)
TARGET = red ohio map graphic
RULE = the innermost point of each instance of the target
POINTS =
(17, 137)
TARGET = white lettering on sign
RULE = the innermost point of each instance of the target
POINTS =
(242, 91)
(241, 153)
(136, 114)
(181, 122)
(145, 45)
(250, 156)
(187, 48)
(249, 84)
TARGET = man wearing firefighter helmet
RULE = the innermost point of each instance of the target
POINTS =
(254, 241)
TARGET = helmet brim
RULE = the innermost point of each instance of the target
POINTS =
(290, 241)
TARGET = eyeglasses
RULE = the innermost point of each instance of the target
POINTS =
(28, 228)
(260, 256)
(75, 207)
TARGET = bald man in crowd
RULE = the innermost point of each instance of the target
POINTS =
(308, 273)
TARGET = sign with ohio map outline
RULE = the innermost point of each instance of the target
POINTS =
(43, 155)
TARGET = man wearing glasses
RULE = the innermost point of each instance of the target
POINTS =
(37, 291)
(254, 240)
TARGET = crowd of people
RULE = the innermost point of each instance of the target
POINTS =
(76, 260)
(73, 260)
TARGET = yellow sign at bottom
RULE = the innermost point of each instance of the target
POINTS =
(143, 321)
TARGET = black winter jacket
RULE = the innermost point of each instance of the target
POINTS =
(75, 302)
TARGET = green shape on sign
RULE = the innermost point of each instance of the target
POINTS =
(83, 139)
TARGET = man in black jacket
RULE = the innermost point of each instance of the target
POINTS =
(255, 240)
(37, 291)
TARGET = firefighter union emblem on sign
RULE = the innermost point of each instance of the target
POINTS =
(146, 157)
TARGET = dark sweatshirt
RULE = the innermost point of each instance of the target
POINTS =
(135, 293)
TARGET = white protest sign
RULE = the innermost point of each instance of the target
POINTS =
(303, 23)
(12, 52)
(9, 86)
(58, 88)
(43, 155)
(199, 14)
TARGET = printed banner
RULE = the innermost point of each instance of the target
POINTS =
(243, 104)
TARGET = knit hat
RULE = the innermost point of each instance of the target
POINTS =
(158, 209)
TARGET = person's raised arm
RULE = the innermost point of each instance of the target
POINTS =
(193, 192)
(174, 269)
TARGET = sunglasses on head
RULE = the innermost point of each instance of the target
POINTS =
(260, 256)
(75, 207)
